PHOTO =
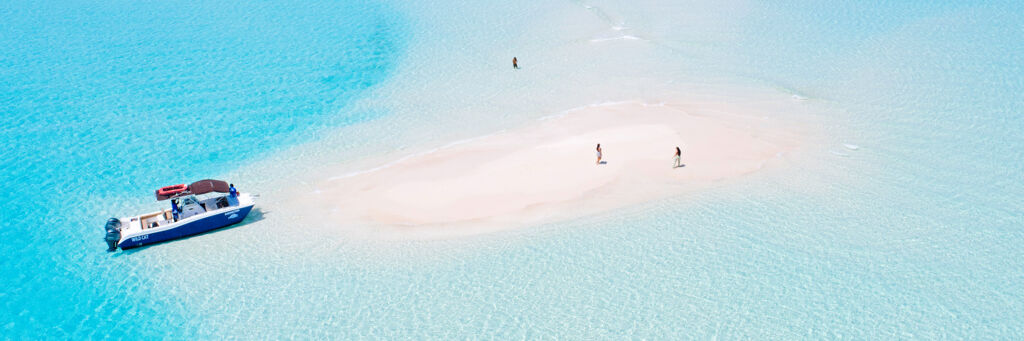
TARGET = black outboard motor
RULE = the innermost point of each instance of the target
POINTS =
(113, 233)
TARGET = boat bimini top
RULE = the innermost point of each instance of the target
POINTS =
(196, 188)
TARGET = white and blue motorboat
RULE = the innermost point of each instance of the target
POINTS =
(199, 207)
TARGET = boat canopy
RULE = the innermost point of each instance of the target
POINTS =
(198, 187)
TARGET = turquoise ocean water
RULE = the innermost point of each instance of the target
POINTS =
(103, 101)
(911, 230)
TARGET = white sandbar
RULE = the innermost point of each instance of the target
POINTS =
(547, 171)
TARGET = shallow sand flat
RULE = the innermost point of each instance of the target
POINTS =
(547, 171)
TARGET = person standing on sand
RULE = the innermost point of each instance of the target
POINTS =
(515, 63)
(598, 154)
(678, 157)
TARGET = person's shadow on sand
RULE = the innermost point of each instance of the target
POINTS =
(679, 166)
(604, 162)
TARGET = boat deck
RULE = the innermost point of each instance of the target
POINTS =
(155, 219)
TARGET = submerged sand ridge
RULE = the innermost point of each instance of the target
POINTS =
(547, 171)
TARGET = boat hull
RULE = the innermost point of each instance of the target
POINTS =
(189, 227)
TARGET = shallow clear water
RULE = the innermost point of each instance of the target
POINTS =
(905, 223)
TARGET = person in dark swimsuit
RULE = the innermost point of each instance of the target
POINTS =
(174, 209)
(515, 63)
(678, 157)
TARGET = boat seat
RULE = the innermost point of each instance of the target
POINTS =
(191, 210)
(222, 202)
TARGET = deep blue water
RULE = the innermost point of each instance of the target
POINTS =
(106, 100)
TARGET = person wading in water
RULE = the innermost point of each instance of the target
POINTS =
(515, 63)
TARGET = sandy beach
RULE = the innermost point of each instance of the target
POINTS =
(546, 171)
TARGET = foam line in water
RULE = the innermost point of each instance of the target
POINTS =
(623, 37)
(588, 106)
